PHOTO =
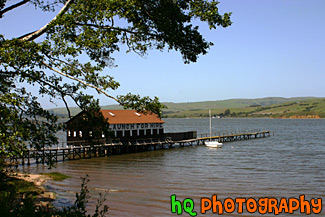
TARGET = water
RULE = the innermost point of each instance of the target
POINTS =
(289, 163)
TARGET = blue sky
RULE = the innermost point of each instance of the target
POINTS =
(273, 48)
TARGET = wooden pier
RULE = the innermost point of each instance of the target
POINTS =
(83, 152)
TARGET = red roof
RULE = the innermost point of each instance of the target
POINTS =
(130, 117)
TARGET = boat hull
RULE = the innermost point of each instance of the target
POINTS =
(213, 144)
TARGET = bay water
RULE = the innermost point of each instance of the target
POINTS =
(287, 164)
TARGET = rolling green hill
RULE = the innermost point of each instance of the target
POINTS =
(297, 108)
(262, 107)
(229, 103)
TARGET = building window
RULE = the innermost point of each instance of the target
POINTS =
(69, 133)
(91, 133)
(80, 133)
(103, 135)
(74, 133)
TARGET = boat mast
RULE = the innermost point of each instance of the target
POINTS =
(210, 122)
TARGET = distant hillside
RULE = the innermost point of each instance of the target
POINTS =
(309, 108)
(229, 103)
(262, 107)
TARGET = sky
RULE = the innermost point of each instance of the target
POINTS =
(274, 48)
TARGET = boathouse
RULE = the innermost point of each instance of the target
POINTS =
(131, 124)
(122, 125)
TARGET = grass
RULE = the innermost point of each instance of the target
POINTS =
(56, 176)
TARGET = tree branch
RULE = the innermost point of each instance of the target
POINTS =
(130, 47)
(42, 30)
(66, 105)
(115, 28)
(82, 82)
(13, 7)
(62, 93)
(52, 59)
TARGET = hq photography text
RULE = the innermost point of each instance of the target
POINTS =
(250, 205)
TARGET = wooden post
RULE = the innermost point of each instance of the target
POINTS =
(28, 157)
(36, 157)
(43, 158)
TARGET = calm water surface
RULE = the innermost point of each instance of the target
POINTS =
(289, 163)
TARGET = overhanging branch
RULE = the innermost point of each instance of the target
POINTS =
(13, 7)
(82, 82)
(42, 30)
(62, 93)
(116, 28)
(66, 106)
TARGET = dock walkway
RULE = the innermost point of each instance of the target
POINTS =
(82, 152)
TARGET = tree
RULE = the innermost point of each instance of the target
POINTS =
(227, 112)
(47, 57)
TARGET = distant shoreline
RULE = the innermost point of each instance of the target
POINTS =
(248, 117)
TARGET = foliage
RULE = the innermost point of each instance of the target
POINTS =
(227, 112)
(79, 207)
(69, 54)
(18, 197)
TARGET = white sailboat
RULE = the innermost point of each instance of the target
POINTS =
(210, 143)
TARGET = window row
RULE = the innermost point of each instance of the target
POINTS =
(122, 133)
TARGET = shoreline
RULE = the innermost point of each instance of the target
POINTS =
(45, 198)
